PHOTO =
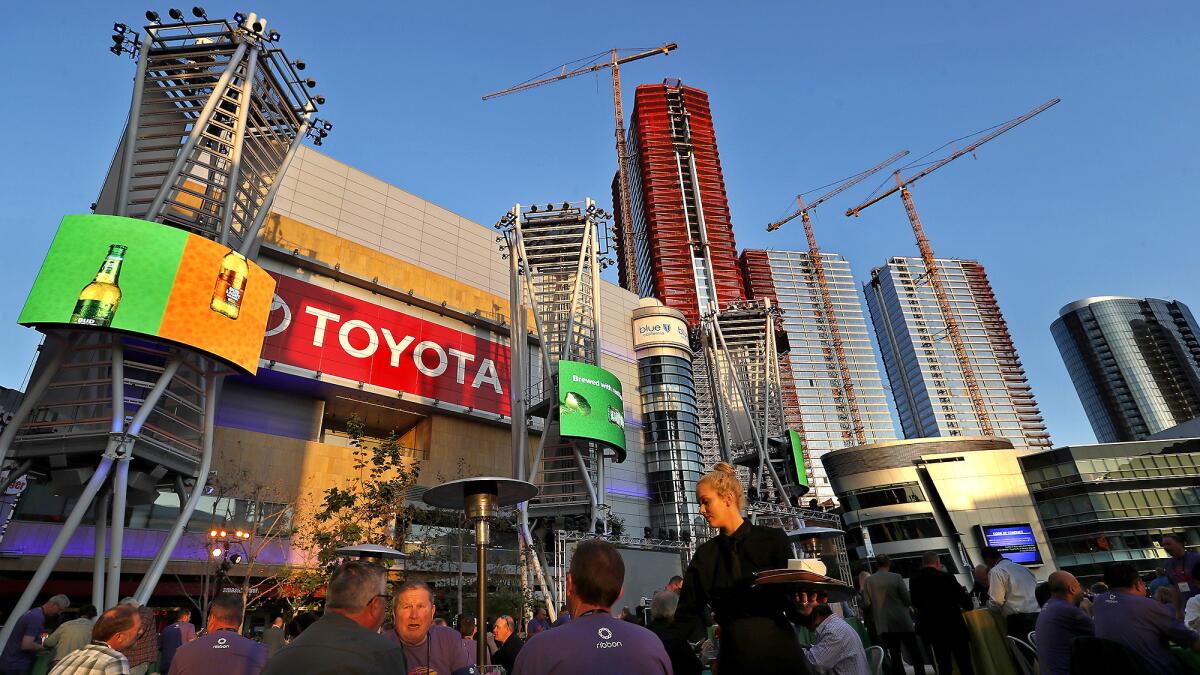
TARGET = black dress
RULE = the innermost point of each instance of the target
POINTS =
(756, 633)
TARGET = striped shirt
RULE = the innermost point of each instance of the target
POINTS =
(95, 659)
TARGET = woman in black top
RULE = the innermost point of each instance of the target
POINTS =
(756, 634)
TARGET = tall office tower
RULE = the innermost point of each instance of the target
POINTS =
(927, 383)
(679, 209)
(1135, 363)
(817, 403)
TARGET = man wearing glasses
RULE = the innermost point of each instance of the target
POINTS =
(345, 641)
(427, 648)
(116, 629)
(221, 649)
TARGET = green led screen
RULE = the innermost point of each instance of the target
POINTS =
(590, 405)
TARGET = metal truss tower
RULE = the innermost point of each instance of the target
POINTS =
(743, 403)
(555, 255)
(216, 115)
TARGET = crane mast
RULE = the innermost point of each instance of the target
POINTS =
(627, 243)
(814, 256)
(953, 332)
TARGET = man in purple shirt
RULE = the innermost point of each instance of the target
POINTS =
(427, 648)
(221, 649)
(175, 636)
(540, 622)
(1061, 621)
(594, 642)
(1127, 616)
(1179, 567)
(26, 639)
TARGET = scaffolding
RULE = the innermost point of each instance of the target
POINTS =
(217, 113)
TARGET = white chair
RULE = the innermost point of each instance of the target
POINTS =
(1023, 655)
(875, 659)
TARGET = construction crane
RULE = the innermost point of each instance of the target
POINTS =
(814, 257)
(615, 63)
(931, 270)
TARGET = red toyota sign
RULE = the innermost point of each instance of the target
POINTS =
(318, 329)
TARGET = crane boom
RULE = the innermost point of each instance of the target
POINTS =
(579, 71)
(631, 272)
(955, 155)
(845, 185)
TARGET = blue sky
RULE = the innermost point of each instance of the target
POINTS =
(1094, 197)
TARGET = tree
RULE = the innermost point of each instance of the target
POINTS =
(369, 508)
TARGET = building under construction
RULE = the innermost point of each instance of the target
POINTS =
(927, 382)
(823, 413)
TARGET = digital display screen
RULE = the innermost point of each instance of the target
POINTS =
(124, 274)
(1015, 542)
(798, 457)
(590, 405)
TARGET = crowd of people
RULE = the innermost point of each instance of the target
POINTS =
(713, 618)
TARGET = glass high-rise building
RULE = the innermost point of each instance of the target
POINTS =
(1135, 363)
(927, 383)
(818, 404)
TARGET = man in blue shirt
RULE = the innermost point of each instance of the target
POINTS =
(1178, 569)
(594, 642)
(26, 640)
(1127, 616)
(221, 649)
(1061, 621)
(837, 648)
(175, 636)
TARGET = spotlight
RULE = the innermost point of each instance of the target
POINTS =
(273, 36)
(566, 206)
(223, 533)
(319, 99)
(118, 39)
(533, 208)
(322, 133)
(256, 27)
(119, 28)
(328, 126)
(213, 534)
(549, 207)
(218, 552)
(239, 18)
(175, 14)
(310, 83)
(235, 558)
(199, 13)
(152, 16)
(300, 65)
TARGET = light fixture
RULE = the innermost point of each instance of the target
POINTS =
(273, 36)
(239, 18)
(319, 99)
(213, 534)
(310, 83)
(175, 14)
(199, 13)
(152, 16)
(119, 28)
(217, 552)
(256, 26)
(235, 558)
(223, 533)
(328, 126)
(300, 65)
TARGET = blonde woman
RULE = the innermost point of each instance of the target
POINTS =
(756, 634)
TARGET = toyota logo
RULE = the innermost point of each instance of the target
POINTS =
(275, 325)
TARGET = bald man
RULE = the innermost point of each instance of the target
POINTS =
(1060, 622)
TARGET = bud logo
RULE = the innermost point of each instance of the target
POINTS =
(317, 329)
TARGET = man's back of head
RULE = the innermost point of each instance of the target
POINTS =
(991, 555)
(352, 589)
(117, 626)
(1122, 576)
(883, 563)
(226, 611)
(597, 573)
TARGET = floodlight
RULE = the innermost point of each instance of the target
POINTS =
(119, 28)
(235, 558)
(213, 534)
(300, 65)
(273, 36)
(218, 552)
(533, 208)
(175, 14)
(223, 533)
(328, 126)
(239, 18)
(566, 206)
(256, 27)
(118, 39)
(152, 16)
(199, 13)
(319, 99)
(310, 83)
(549, 207)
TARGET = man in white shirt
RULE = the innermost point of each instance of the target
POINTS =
(837, 648)
(116, 629)
(1012, 592)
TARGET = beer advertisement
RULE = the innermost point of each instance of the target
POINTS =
(590, 406)
(124, 274)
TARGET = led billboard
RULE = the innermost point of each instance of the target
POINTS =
(798, 457)
(124, 274)
(590, 406)
(335, 334)
(1015, 542)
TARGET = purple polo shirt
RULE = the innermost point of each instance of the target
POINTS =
(223, 652)
(1179, 573)
(594, 644)
(31, 623)
(442, 653)
(1058, 623)
(1141, 624)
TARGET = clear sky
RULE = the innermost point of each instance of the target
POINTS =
(1093, 197)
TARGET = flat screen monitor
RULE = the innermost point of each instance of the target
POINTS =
(1015, 542)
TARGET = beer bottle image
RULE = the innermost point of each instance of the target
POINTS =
(231, 285)
(98, 300)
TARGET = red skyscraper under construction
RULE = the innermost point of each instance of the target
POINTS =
(679, 208)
